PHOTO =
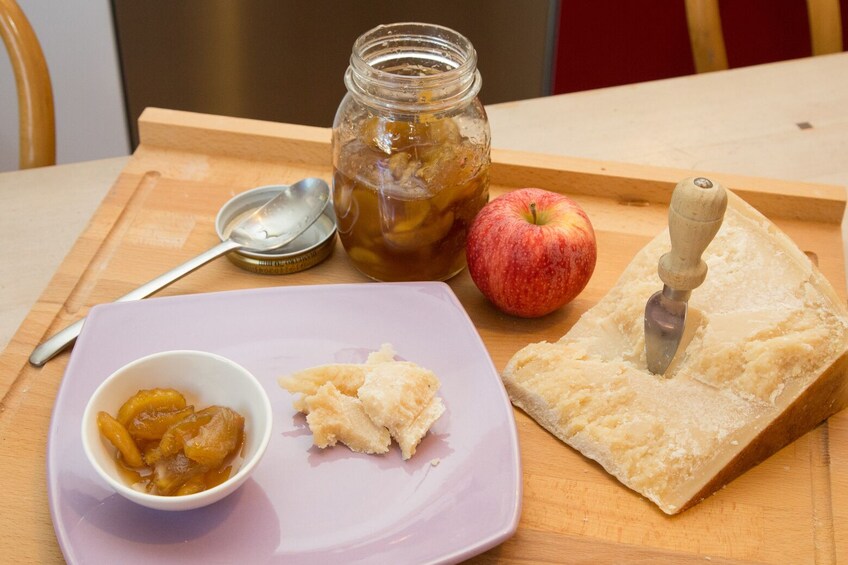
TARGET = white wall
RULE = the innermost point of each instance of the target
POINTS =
(78, 41)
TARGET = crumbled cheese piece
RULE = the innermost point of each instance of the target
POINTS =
(365, 405)
(334, 417)
(402, 397)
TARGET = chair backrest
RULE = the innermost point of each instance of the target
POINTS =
(35, 93)
(707, 40)
(825, 26)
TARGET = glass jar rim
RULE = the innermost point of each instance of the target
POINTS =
(446, 59)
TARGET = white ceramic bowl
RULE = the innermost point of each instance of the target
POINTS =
(205, 379)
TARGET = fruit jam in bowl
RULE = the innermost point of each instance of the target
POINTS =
(177, 430)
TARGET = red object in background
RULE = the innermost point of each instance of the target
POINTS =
(764, 31)
(611, 42)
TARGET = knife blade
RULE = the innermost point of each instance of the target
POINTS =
(695, 215)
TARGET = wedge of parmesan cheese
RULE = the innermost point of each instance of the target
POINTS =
(365, 406)
(763, 361)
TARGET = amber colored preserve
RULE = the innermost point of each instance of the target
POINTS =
(405, 194)
(164, 447)
(411, 152)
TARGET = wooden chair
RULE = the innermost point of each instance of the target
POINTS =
(35, 94)
(707, 40)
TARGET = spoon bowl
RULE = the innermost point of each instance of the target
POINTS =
(283, 218)
(309, 248)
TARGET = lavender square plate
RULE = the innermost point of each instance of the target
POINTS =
(457, 497)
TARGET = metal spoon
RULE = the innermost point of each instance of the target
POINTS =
(275, 224)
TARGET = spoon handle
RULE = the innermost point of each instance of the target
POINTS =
(58, 342)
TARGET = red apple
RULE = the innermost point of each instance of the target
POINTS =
(531, 251)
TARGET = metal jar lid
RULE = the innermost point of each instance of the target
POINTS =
(310, 248)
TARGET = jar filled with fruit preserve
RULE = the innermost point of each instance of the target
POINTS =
(411, 147)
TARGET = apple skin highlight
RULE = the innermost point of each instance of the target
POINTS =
(527, 264)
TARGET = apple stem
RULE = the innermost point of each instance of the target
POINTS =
(533, 212)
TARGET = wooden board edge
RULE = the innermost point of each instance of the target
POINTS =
(48, 314)
(239, 138)
(643, 184)
(629, 183)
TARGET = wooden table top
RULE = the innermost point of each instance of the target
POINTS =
(581, 125)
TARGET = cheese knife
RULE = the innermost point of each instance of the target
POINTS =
(695, 215)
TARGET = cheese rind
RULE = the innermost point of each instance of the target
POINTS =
(763, 362)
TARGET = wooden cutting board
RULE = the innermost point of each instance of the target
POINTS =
(793, 508)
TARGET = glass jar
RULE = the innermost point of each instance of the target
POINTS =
(411, 152)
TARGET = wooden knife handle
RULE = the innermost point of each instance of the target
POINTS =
(694, 217)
